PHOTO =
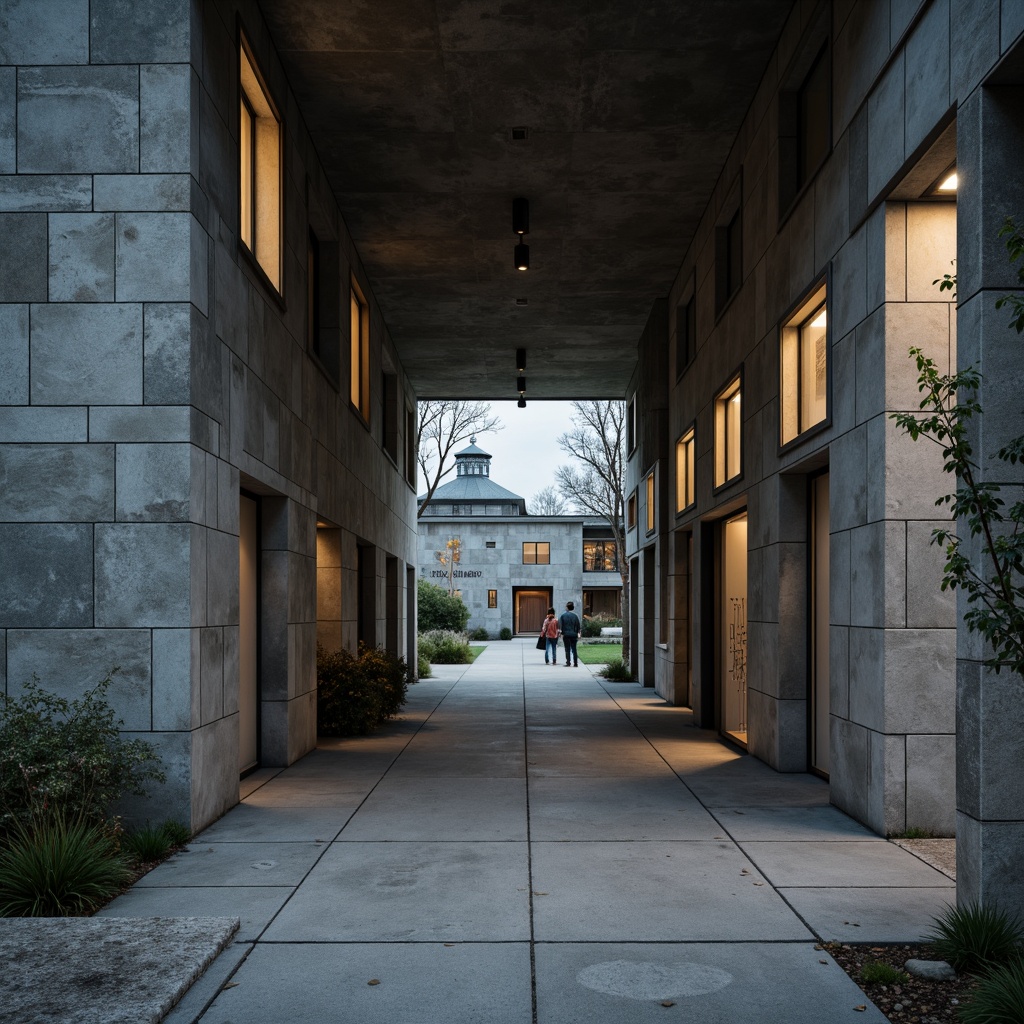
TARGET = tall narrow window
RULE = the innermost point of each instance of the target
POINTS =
(686, 334)
(650, 502)
(631, 511)
(359, 349)
(729, 248)
(410, 446)
(492, 599)
(684, 471)
(260, 165)
(813, 122)
(728, 428)
(391, 415)
(536, 552)
(631, 425)
(803, 361)
(734, 254)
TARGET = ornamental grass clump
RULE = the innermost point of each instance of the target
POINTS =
(154, 842)
(67, 757)
(356, 694)
(617, 671)
(999, 997)
(976, 938)
(445, 647)
(59, 866)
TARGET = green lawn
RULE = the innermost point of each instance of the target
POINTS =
(599, 654)
(475, 650)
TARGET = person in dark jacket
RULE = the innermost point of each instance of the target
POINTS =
(569, 626)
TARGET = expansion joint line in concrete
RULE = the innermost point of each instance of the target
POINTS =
(796, 913)
(529, 852)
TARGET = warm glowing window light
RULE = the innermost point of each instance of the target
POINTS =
(949, 184)
(803, 362)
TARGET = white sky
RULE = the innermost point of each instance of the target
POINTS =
(526, 453)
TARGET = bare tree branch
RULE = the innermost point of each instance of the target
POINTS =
(548, 501)
(442, 426)
(596, 481)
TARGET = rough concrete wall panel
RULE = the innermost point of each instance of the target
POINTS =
(87, 354)
(23, 258)
(56, 483)
(92, 655)
(45, 32)
(48, 575)
(82, 120)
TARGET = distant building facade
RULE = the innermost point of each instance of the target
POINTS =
(513, 566)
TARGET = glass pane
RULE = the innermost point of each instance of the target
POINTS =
(690, 495)
(245, 174)
(732, 435)
(813, 369)
(356, 368)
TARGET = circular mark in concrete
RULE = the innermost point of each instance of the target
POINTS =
(264, 865)
(634, 979)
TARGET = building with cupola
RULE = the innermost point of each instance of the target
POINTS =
(512, 566)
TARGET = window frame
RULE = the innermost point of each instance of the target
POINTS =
(261, 206)
(605, 543)
(631, 510)
(723, 396)
(359, 351)
(686, 339)
(791, 328)
(537, 545)
(492, 599)
(686, 452)
(651, 494)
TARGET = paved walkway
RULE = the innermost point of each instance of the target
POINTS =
(534, 844)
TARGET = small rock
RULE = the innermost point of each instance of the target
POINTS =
(933, 970)
(897, 1007)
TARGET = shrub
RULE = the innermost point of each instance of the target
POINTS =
(423, 666)
(67, 756)
(591, 627)
(355, 694)
(999, 997)
(59, 866)
(154, 842)
(436, 609)
(877, 972)
(480, 633)
(975, 938)
(445, 647)
(617, 671)
(505, 634)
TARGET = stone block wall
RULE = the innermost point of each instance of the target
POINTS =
(148, 374)
(858, 227)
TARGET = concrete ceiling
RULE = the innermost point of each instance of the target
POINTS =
(630, 106)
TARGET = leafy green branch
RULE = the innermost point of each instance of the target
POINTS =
(995, 584)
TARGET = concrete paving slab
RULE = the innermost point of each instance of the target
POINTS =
(455, 764)
(101, 971)
(288, 792)
(806, 824)
(854, 863)
(254, 906)
(418, 983)
(253, 822)
(710, 983)
(887, 914)
(780, 791)
(555, 756)
(411, 809)
(260, 864)
(423, 892)
(572, 808)
(654, 891)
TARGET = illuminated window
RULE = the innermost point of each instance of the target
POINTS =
(728, 423)
(650, 502)
(684, 471)
(631, 511)
(536, 552)
(599, 556)
(260, 164)
(803, 361)
(492, 599)
(359, 352)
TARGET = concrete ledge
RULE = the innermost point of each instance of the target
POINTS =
(104, 970)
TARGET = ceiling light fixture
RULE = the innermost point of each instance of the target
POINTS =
(521, 403)
(521, 227)
(521, 385)
(521, 360)
(949, 184)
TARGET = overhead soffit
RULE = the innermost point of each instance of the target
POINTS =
(631, 109)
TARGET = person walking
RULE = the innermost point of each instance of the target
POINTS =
(569, 626)
(549, 631)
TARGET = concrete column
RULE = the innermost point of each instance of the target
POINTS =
(990, 712)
